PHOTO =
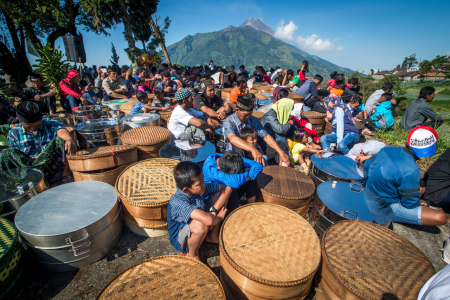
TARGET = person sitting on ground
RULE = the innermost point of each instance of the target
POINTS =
(243, 118)
(38, 143)
(192, 217)
(436, 182)
(141, 106)
(303, 123)
(290, 81)
(154, 84)
(248, 135)
(238, 173)
(277, 121)
(280, 92)
(128, 80)
(301, 150)
(264, 77)
(382, 117)
(186, 80)
(338, 89)
(239, 90)
(317, 103)
(309, 88)
(277, 73)
(351, 87)
(113, 86)
(169, 86)
(207, 102)
(374, 99)
(229, 80)
(161, 100)
(394, 179)
(142, 73)
(69, 92)
(363, 151)
(86, 87)
(341, 116)
(186, 122)
(243, 71)
(419, 111)
(277, 80)
(43, 95)
(7, 113)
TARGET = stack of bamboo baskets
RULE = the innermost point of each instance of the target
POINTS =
(148, 140)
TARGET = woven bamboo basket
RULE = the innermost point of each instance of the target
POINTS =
(224, 94)
(267, 252)
(329, 128)
(148, 140)
(362, 260)
(253, 91)
(262, 88)
(145, 189)
(261, 97)
(165, 118)
(258, 114)
(227, 90)
(108, 176)
(287, 187)
(126, 107)
(296, 98)
(100, 158)
(164, 277)
(317, 120)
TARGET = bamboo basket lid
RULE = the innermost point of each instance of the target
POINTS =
(227, 90)
(314, 114)
(370, 260)
(165, 277)
(296, 97)
(128, 105)
(146, 135)
(285, 183)
(147, 183)
(105, 151)
(270, 244)
(261, 97)
(149, 96)
(165, 115)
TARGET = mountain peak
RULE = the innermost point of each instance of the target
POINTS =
(257, 24)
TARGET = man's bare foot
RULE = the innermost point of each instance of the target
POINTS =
(194, 257)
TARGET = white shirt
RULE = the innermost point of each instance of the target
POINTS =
(374, 99)
(179, 120)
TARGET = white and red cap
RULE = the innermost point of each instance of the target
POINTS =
(423, 141)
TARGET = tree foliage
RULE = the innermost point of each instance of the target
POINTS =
(114, 57)
(425, 66)
(410, 61)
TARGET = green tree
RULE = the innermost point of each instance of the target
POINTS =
(447, 75)
(371, 71)
(409, 61)
(114, 57)
(397, 84)
(438, 61)
(425, 67)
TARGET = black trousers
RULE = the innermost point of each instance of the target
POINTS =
(432, 124)
(369, 123)
(250, 188)
(272, 154)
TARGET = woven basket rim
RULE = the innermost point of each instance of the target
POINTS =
(291, 198)
(126, 148)
(163, 257)
(139, 131)
(315, 114)
(251, 276)
(132, 221)
(124, 199)
(343, 281)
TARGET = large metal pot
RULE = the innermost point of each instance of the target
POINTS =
(140, 120)
(336, 201)
(72, 225)
(115, 104)
(87, 112)
(335, 167)
(17, 186)
(97, 133)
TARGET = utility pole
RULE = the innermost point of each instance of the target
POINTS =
(159, 36)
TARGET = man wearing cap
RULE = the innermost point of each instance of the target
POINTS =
(38, 143)
(69, 92)
(169, 86)
(207, 102)
(43, 95)
(278, 72)
(243, 118)
(113, 86)
(394, 179)
(309, 88)
(186, 122)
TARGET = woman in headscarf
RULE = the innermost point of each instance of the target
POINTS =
(277, 120)
(38, 143)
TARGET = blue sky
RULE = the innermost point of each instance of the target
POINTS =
(360, 35)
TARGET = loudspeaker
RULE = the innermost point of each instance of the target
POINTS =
(74, 48)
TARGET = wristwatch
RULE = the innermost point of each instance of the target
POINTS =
(212, 209)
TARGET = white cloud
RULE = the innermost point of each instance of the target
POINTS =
(311, 42)
(337, 39)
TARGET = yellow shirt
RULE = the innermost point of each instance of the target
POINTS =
(295, 149)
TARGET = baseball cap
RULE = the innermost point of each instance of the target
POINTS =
(423, 141)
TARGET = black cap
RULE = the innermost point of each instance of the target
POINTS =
(28, 112)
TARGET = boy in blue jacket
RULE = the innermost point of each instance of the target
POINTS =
(394, 179)
(232, 170)
(384, 108)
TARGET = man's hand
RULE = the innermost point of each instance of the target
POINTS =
(37, 97)
(165, 108)
(127, 74)
(423, 203)
(70, 147)
(84, 100)
(87, 88)
(258, 157)
(291, 122)
(222, 212)
(124, 97)
(285, 72)
(284, 158)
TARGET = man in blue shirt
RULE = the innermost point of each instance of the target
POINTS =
(169, 86)
(309, 88)
(394, 178)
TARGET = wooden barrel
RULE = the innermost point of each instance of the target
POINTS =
(261, 97)
(165, 118)
(287, 187)
(317, 120)
(94, 159)
(126, 107)
(145, 189)
(361, 260)
(148, 140)
(258, 114)
(164, 277)
(108, 176)
(267, 252)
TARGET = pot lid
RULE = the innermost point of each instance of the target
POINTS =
(14, 182)
(187, 150)
(93, 125)
(141, 118)
(66, 208)
(338, 165)
(345, 199)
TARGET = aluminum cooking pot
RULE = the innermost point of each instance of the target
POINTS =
(115, 104)
(140, 120)
(335, 167)
(97, 133)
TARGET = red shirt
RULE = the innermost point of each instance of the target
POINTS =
(301, 124)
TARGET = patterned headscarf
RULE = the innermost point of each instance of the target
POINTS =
(276, 93)
(334, 101)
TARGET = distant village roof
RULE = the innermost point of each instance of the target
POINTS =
(407, 74)
(384, 73)
(433, 74)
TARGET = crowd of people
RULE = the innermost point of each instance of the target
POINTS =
(284, 136)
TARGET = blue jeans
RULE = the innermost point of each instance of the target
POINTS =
(344, 145)
(407, 215)
(71, 102)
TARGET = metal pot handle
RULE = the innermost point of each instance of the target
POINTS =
(350, 212)
(81, 246)
(24, 187)
(357, 184)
